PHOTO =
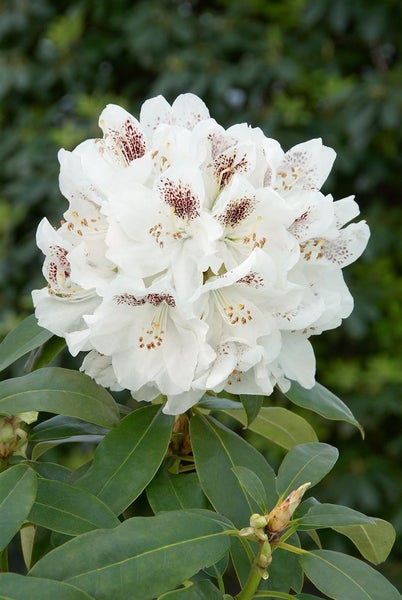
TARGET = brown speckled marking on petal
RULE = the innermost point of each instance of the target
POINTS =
(181, 198)
(227, 164)
(252, 279)
(295, 169)
(236, 211)
(127, 143)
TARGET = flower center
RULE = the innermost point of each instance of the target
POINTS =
(234, 313)
(153, 333)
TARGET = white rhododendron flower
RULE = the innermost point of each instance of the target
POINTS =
(194, 258)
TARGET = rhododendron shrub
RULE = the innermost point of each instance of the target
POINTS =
(192, 267)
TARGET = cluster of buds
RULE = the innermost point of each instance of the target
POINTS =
(265, 529)
(13, 437)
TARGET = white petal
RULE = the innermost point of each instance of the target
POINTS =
(305, 166)
(123, 138)
(99, 367)
(188, 110)
(297, 359)
(349, 245)
(154, 112)
(345, 210)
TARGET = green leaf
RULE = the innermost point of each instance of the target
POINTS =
(19, 587)
(322, 401)
(341, 576)
(216, 403)
(303, 463)
(219, 568)
(128, 457)
(252, 405)
(63, 427)
(59, 391)
(141, 558)
(198, 590)
(69, 510)
(44, 355)
(50, 470)
(374, 541)
(17, 494)
(242, 557)
(279, 425)
(331, 515)
(169, 491)
(25, 337)
(285, 571)
(307, 597)
(216, 451)
(42, 447)
(252, 485)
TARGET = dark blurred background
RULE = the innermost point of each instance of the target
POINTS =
(298, 69)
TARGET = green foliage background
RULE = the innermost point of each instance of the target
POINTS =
(298, 69)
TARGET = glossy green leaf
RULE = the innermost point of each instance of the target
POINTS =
(50, 470)
(332, 515)
(141, 558)
(278, 425)
(60, 391)
(61, 426)
(216, 403)
(252, 405)
(45, 354)
(216, 451)
(307, 597)
(169, 491)
(303, 463)
(285, 572)
(25, 337)
(19, 587)
(341, 576)
(70, 510)
(242, 556)
(219, 568)
(27, 537)
(17, 494)
(374, 541)
(128, 457)
(42, 447)
(253, 486)
(322, 401)
(198, 590)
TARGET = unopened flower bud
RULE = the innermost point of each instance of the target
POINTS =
(265, 556)
(13, 439)
(280, 516)
(6, 431)
(258, 521)
(247, 532)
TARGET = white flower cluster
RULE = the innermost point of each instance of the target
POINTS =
(194, 257)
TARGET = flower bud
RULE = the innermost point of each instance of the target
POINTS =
(13, 438)
(247, 532)
(258, 521)
(280, 516)
(265, 556)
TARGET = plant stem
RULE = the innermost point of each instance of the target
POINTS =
(252, 583)
(221, 584)
(290, 548)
